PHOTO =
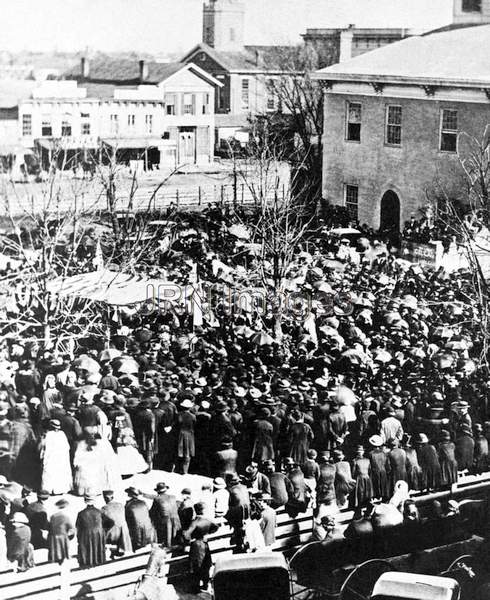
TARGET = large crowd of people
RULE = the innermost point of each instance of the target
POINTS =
(377, 387)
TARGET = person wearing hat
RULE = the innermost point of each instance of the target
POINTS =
(300, 436)
(108, 381)
(19, 548)
(144, 426)
(263, 432)
(199, 554)
(221, 497)
(186, 508)
(465, 447)
(481, 450)
(447, 459)
(430, 469)
(397, 458)
(281, 487)
(337, 426)
(184, 431)
(117, 535)
(220, 426)
(164, 514)
(60, 532)
(391, 428)
(299, 498)
(344, 484)
(37, 513)
(56, 475)
(91, 525)
(141, 530)
(238, 509)
(255, 480)
(361, 473)
(380, 468)
(413, 467)
(225, 459)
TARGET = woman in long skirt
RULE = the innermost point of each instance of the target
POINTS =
(55, 455)
(361, 473)
(447, 459)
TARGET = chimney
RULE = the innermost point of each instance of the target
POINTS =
(346, 38)
(84, 68)
(257, 57)
(143, 71)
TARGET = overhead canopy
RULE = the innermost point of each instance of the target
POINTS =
(124, 143)
(66, 143)
(118, 289)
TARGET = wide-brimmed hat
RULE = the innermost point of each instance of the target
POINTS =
(240, 392)
(20, 518)
(421, 438)
(43, 494)
(201, 382)
(255, 393)
(219, 483)
(232, 478)
(55, 424)
(61, 503)
(89, 497)
(220, 406)
(376, 441)
(133, 491)
(161, 487)
(186, 403)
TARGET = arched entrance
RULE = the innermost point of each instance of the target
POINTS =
(390, 213)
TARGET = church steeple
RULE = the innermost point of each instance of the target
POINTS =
(224, 24)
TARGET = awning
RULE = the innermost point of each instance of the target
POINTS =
(119, 289)
(66, 143)
(122, 143)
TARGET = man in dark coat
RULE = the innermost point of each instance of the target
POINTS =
(117, 535)
(141, 530)
(257, 481)
(238, 509)
(166, 434)
(281, 487)
(220, 426)
(268, 519)
(298, 500)
(61, 531)
(91, 525)
(165, 516)
(465, 447)
(37, 513)
(380, 468)
(199, 554)
(430, 477)
(225, 459)
(398, 463)
(144, 430)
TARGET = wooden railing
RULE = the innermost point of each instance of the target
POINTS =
(48, 581)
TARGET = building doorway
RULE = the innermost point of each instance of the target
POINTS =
(390, 212)
(187, 145)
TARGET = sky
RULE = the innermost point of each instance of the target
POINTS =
(166, 26)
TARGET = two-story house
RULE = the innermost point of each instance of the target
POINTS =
(393, 119)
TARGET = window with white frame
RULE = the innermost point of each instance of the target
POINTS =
(26, 124)
(85, 123)
(66, 126)
(351, 200)
(170, 104)
(271, 95)
(149, 123)
(188, 102)
(205, 104)
(114, 124)
(353, 125)
(131, 121)
(46, 126)
(393, 134)
(245, 93)
(449, 130)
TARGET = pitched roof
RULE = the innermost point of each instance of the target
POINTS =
(254, 59)
(124, 71)
(457, 57)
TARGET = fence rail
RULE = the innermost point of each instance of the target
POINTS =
(49, 581)
(26, 203)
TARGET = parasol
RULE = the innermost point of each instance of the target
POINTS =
(328, 331)
(86, 363)
(382, 356)
(457, 345)
(261, 338)
(125, 365)
(109, 354)
(445, 361)
(244, 331)
(345, 396)
(239, 231)
(443, 332)
(409, 301)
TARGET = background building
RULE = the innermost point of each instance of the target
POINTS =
(392, 121)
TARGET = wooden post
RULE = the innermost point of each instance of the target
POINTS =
(65, 580)
(177, 197)
(199, 195)
(243, 194)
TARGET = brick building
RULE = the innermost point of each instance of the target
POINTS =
(393, 118)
